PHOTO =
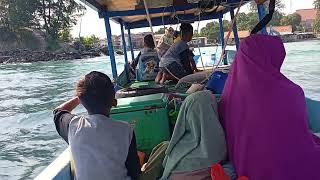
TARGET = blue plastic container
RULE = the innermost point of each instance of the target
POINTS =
(313, 108)
(216, 82)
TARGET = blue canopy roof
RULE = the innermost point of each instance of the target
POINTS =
(133, 15)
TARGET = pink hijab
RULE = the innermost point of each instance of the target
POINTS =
(264, 116)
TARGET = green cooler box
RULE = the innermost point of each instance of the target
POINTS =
(149, 117)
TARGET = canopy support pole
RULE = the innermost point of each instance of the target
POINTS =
(130, 43)
(150, 22)
(124, 44)
(235, 29)
(110, 47)
(262, 13)
(225, 62)
(124, 48)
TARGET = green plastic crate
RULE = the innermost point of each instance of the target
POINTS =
(149, 117)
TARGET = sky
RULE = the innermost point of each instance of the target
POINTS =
(91, 24)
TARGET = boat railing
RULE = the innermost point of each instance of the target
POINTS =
(59, 169)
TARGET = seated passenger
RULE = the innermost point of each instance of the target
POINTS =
(165, 42)
(178, 60)
(198, 140)
(147, 62)
(101, 148)
(264, 116)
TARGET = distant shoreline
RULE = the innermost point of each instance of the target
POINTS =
(29, 56)
(302, 40)
(290, 41)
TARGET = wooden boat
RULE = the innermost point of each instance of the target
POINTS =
(149, 108)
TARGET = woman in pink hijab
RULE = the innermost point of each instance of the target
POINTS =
(264, 116)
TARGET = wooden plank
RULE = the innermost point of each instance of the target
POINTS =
(122, 5)
(118, 5)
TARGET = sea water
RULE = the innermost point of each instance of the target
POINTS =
(29, 92)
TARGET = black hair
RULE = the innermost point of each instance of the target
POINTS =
(148, 41)
(186, 28)
(176, 34)
(96, 92)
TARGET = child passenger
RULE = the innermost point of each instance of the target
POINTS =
(101, 148)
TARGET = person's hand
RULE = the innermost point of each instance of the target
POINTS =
(77, 99)
(114, 103)
(197, 70)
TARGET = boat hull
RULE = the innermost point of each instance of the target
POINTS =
(59, 169)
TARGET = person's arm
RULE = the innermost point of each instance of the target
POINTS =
(62, 117)
(132, 162)
(193, 64)
(69, 105)
(185, 61)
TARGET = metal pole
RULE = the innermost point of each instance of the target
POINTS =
(262, 13)
(130, 43)
(222, 37)
(110, 47)
(221, 31)
(124, 47)
(235, 29)
(150, 22)
(124, 44)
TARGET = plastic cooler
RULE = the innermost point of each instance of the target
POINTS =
(149, 117)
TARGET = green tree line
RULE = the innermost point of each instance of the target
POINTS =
(247, 21)
(54, 17)
(316, 26)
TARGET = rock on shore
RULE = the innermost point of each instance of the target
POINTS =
(25, 55)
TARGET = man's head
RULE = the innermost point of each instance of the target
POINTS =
(186, 31)
(96, 93)
(169, 32)
(148, 41)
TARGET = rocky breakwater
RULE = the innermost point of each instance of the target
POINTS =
(26, 55)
